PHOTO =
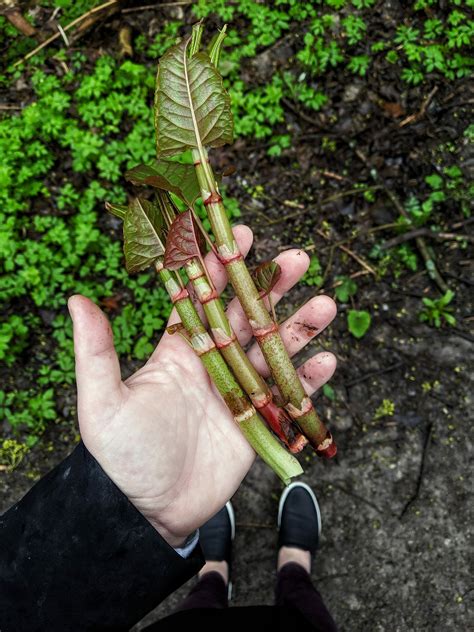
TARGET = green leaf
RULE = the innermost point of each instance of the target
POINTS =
(170, 176)
(215, 46)
(328, 392)
(434, 181)
(266, 276)
(184, 241)
(119, 210)
(142, 232)
(196, 37)
(192, 108)
(446, 298)
(358, 322)
(347, 288)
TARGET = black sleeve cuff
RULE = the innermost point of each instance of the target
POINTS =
(76, 555)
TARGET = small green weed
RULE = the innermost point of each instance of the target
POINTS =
(346, 289)
(437, 310)
(386, 409)
(313, 275)
(358, 322)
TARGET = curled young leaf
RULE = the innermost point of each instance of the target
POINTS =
(192, 107)
(119, 210)
(142, 234)
(216, 46)
(184, 241)
(266, 276)
(196, 37)
(170, 176)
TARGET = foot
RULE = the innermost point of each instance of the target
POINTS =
(299, 525)
(215, 538)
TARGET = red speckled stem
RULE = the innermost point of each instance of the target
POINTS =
(251, 424)
(271, 344)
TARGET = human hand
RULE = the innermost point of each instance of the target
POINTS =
(165, 436)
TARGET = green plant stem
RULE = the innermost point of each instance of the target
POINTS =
(248, 377)
(252, 426)
(266, 332)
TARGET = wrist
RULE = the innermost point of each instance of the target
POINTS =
(176, 541)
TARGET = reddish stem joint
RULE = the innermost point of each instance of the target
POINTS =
(214, 198)
(225, 260)
(183, 293)
(261, 333)
(327, 449)
(212, 296)
(229, 341)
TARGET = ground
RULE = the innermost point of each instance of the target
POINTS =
(397, 522)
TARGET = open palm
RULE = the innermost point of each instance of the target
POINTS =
(165, 436)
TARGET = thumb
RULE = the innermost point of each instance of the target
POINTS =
(97, 365)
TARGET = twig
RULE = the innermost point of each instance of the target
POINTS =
(422, 111)
(460, 279)
(367, 376)
(334, 176)
(420, 472)
(254, 525)
(354, 275)
(63, 34)
(424, 232)
(354, 495)
(331, 198)
(157, 6)
(301, 114)
(430, 265)
(462, 334)
(359, 259)
(16, 18)
(464, 222)
(66, 28)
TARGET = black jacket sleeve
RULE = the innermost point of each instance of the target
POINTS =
(76, 555)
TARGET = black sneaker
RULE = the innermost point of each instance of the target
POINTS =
(216, 536)
(299, 518)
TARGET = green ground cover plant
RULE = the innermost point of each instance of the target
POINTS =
(88, 118)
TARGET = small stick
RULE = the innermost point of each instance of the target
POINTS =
(422, 111)
(16, 19)
(430, 265)
(424, 232)
(66, 28)
(359, 259)
(421, 471)
(331, 198)
(352, 254)
(157, 6)
(367, 376)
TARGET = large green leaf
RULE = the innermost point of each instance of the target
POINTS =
(170, 176)
(142, 232)
(192, 108)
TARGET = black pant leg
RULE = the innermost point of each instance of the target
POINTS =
(209, 592)
(294, 589)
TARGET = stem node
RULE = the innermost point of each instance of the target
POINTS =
(260, 333)
(183, 293)
(213, 198)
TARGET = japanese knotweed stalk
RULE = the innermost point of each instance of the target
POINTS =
(142, 225)
(192, 111)
(183, 251)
